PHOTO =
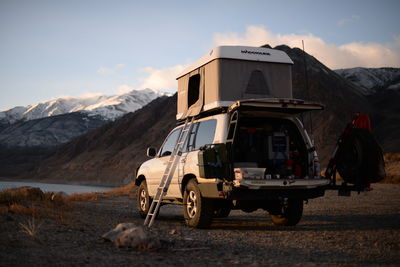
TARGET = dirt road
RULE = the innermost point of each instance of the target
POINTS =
(361, 229)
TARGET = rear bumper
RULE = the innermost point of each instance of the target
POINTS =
(265, 189)
(251, 194)
(281, 184)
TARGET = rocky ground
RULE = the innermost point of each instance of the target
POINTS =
(358, 230)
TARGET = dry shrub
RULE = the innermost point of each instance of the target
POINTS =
(21, 209)
(390, 157)
(8, 198)
(35, 203)
(83, 197)
(392, 168)
(3, 210)
(127, 190)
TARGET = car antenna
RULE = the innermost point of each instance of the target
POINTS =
(307, 88)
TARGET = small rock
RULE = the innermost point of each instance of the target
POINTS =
(130, 235)
(138, 238)
(173, 232)
(112, 235)
(59, 196)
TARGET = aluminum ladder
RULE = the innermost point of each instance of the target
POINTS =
(169, 171)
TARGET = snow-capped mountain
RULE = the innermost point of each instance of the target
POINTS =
(372, 80)
(108, 107)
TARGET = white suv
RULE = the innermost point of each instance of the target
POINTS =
(254, 154)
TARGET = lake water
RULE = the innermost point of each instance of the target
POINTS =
(67, 188)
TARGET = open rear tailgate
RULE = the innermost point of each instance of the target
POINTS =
(285, 105)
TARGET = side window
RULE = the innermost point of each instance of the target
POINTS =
(169, 143)
(193, 89)
(205, 133)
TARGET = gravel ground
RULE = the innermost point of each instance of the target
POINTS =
(362, 229)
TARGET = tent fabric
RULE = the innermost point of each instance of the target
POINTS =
(224, 80)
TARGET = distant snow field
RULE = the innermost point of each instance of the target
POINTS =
(369, 80)
(109, 107)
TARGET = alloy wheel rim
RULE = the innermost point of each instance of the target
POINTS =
(143, 200)
(191, 205)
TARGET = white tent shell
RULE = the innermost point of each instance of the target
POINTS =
(230, 73)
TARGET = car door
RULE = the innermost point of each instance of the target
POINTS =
(159, 163)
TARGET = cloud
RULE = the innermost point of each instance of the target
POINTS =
(354, 54)
(161, 79)
(120, 66)
(124, 88)
(345, 21)
(108, 71)
(104, 71)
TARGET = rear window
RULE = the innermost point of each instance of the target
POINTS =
(205, 133)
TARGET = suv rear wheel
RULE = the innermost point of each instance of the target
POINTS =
(222, 208)
(197, 210)
(287, 213)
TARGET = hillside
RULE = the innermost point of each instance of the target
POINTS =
(110, 154)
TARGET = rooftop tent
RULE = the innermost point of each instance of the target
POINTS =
(230, 73)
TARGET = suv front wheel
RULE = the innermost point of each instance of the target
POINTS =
(143, 199)
(197, 210)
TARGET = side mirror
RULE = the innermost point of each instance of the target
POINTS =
(151, 152)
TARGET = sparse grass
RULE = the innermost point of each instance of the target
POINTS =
(36, 204)
(392, 167)
(3, 210)
(84, 197)
(8, 198)
(389, 157)
(31, 228)
(127, 190)
(21, 209)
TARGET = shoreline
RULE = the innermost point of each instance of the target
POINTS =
(55, 182)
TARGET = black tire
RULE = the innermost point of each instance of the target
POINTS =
(197, 210)
(222, 208)
(143, 199)
(360, 159)
(288, 214)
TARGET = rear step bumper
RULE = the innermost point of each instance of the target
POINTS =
(249, 194)
(281, 183)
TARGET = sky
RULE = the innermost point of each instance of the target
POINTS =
(57, 48)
